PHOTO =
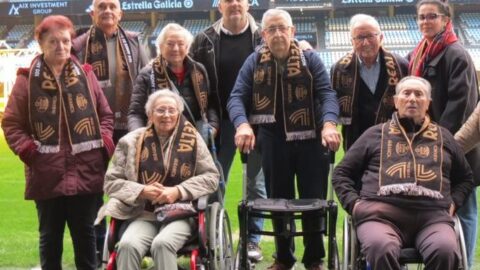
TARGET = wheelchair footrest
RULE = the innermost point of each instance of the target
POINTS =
(283, 205)
(410, 255)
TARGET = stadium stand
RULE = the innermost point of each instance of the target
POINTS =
(196, 25)
(19, 32)
(159, 27)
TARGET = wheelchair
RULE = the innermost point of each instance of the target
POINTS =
(288, 211)
(210, 248)
(353, 259)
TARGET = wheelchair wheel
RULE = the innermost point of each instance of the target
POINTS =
(220, 239)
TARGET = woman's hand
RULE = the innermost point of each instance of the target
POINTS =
(167, 195)
(151, 192)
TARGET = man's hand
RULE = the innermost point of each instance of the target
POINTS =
(244, 138)
(330, 136)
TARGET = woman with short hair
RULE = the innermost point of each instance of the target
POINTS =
(442, 60)
(173, 69)
(161, 164)
(58, 122)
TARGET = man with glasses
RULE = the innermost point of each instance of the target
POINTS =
(286, 93)
(222, 48)
(116, 58)
(365, 79)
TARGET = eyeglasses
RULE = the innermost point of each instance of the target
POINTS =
(164, 111)
(273, 29)
(172, 45)
(369, 37)
(429, 16)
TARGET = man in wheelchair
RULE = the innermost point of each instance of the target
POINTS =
(165, 163)
(402, 181)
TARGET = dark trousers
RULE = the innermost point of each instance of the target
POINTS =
(79, 213)
(385, 228)
(307, 161)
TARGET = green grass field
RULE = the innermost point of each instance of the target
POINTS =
(18, 221)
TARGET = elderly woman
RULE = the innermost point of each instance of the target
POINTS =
(175, 70)
(163, 163)
(413, 178)
(58, 122)
(443, 61)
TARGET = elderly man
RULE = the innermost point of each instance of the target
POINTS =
(365, 79)
(414, 177)
(237, 34)
(286, 92)
(116, 58)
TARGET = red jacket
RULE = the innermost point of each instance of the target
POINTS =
(57, 174)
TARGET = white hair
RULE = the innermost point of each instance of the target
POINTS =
(426, 85)
(362, 19)
(161, 94)
(276, 13)
(177, 28)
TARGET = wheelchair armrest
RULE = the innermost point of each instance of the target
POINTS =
(202, 203)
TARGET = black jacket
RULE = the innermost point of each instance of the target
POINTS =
(454, 93)
(142, 89)
(205, 49)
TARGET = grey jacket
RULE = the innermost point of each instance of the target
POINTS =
(123, 188)
(206, 50)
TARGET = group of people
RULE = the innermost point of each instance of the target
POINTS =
(95, 96)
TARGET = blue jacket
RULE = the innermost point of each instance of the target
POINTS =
(325, 98)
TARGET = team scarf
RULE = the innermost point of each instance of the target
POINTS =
(70, 98)
(297, 93)
(171, 162)
(425, 51)
(411, 166)
(96, 54)
(159, 79)
(345, 80)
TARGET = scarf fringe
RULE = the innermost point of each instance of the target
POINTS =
(48, 149)
(86, 146)
(262, 119)
(301, 135)
(410, 189)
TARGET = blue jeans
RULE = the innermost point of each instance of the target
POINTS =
(255, 178)
(468, 217)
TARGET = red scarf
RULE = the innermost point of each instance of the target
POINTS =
(424, 52)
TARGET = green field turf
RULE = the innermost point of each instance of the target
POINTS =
(18, 221)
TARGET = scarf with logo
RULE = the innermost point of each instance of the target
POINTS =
(171, 162)
(297, 93)
(96, 54)
(425, 52)
(412, 165)
(345, 76)
(159, 79)
(69, 97)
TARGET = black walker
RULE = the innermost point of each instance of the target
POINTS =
(276, 209)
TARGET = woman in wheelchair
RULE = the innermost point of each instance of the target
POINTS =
(161, 164)
(402, 181)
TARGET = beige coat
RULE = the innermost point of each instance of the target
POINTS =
(469, 134)
(123, 188)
